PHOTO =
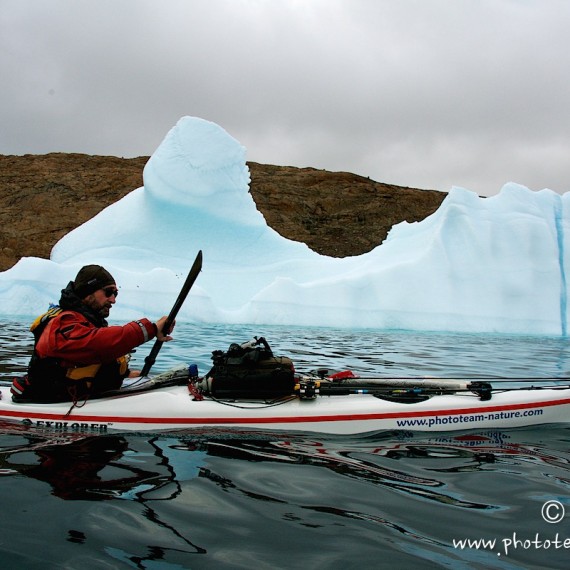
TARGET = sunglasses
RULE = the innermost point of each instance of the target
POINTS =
(110, 292)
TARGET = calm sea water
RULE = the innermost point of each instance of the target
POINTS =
(214, 499)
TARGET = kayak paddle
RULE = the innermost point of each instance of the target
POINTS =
(192, 275)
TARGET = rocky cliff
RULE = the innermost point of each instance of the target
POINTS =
(43, 197)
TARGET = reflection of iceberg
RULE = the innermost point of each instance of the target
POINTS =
(495, 264)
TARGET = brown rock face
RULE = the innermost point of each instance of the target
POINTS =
(43, 197)
(335, 213)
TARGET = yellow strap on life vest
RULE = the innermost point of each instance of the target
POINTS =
(82, 372)
(49, 314)
(123, 364)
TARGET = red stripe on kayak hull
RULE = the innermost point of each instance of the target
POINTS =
(281, 419)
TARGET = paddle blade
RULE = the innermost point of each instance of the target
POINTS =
(192, 276)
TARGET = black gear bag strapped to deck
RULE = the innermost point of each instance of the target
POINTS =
(249, 371)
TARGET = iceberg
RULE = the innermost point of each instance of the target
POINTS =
(493, 264)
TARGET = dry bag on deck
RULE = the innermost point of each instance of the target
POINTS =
(249, 370)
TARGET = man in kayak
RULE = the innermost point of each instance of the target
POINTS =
(76, 353)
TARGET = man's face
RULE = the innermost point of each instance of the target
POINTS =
(102, 300)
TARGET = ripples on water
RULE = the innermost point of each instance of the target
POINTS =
(215, 499)
(367, 352)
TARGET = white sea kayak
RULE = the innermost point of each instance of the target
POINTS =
(157, 407)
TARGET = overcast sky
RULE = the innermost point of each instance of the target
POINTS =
(420, 93)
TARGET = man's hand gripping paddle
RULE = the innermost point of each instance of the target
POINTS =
(192, 275)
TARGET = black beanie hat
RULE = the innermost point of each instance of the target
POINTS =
(91, 278)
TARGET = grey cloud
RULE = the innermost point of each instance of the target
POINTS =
(418, 93)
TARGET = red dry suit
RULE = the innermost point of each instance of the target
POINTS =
(74, 358)
(78, 342)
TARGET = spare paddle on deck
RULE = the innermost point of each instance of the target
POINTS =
(433, 386)
(192, 275)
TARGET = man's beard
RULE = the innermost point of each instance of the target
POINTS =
(102, 310)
